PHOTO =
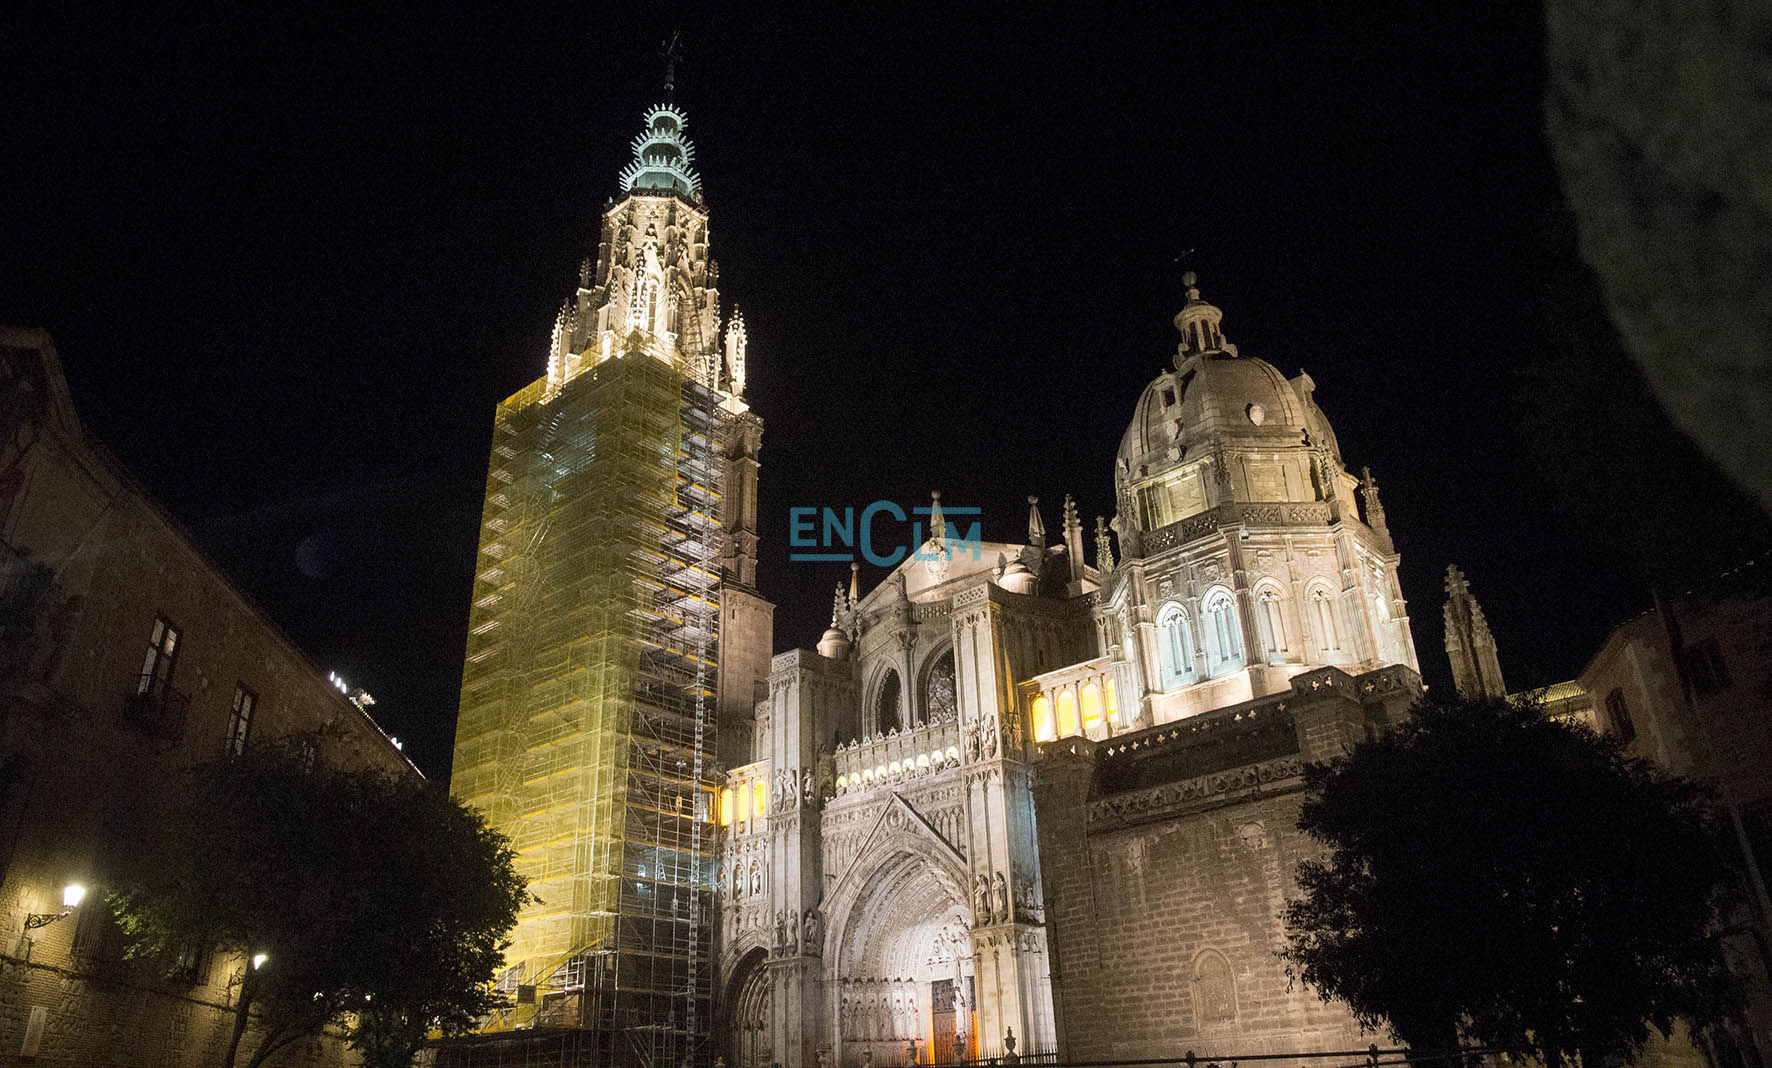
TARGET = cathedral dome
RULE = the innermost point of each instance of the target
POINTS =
(1214, 399)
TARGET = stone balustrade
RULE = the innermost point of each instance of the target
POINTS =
(897, 755)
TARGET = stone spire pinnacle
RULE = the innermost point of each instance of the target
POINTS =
(1073, 537)
(1476, 666)
(662, 156)
(1199, 322)
(1104, 547)
(938, 523)
(854, 583)
(1374, 509)
(1036, 525)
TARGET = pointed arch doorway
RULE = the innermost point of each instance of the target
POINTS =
(746, 1025)
(903, 963)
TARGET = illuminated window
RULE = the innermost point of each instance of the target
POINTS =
(1091, 707)
(1273, 627)
(726, 805)
(759, 799)
(1175, 652)
(1067, 714)
(1044, 730)
(156, 676)
(240, 720)
(1224, 641)
(744, 804)
(1113, 701)
(1325, 610)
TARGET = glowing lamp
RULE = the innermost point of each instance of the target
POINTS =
(258, 960)
(72, 895)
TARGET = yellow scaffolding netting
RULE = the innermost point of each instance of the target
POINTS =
(586, 703)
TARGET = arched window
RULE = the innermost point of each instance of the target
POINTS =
(643, 312)
(1175, 653)
(1323, 605)
(759, 799)
(1224, 639)
(1067, 714)
(1215, 994)
(888, 715)
(744, 804)
(1113, 701)
(1091, 707)
(1044, 729)
(939, 702)
(1273, 625)
(726, 812)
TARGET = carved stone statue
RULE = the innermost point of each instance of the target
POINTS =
(806, 788)
(981, 896)
(781, 928)
(809, 931)
(1000, 891)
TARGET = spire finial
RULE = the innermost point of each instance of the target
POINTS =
(1036, 525)
(1192, 282)
(854, 583)
(671, 52)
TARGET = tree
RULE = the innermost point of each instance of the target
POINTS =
(348, 895)
(1500, 876)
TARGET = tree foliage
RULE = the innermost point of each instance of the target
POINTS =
(378, 902)
(1516, 881)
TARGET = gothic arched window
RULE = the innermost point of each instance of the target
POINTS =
(1273, 624)
(939, 703)
(888, 715)
(1224, 639)
(1215, 994)
(1044, 729)
(1175, 651)
(1324, 607)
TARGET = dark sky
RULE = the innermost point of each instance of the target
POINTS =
(293, 259)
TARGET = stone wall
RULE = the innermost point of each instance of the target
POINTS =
(1167, 857)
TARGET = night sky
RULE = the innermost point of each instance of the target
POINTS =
(292, 260)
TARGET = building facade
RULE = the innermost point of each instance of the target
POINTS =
(1016, 795)
(1686, 685)
(124, 657)
(1009, 789)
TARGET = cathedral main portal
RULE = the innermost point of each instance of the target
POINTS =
(902, 976)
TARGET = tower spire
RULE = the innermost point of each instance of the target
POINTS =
(671, 52)
(1476, 667)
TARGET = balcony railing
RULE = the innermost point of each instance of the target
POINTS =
(155, 708)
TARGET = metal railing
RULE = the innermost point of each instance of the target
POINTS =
(1370, 1057)
(155, 708)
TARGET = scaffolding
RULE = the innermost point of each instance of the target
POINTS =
(586, 712)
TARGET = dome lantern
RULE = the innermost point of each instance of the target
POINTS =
(1198, 321)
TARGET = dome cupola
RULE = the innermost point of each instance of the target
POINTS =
(1198, 321)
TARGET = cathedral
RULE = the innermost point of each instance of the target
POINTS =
(1035, 796)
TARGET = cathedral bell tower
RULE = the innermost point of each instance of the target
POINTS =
(616, 637)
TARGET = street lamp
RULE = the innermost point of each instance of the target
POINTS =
(258, 960)
(72, 895)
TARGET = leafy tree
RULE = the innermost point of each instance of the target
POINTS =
(376, 902)
(1515, 880)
